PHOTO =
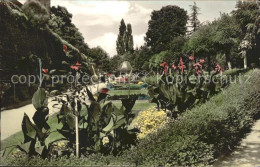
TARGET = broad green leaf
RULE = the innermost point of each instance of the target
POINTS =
(39, 150)
(109, 126)
(53, 137)
(39, 99)
(26, 146)
(28, 128)
(8, 150)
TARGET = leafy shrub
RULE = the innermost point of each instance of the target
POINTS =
(201, 134)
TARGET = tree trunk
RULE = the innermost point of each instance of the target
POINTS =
(77, 135)
(228, 60)
(245, 59)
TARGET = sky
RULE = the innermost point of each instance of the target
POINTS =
(99, 21)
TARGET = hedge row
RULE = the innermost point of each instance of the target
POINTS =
(204, 132)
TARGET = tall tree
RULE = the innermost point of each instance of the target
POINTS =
(226, 36)
(61, 23)
(247, 14)
(100, 58)
(120, 45)
(202, 43)
(165, 24)
(194, 21)
(128, 39)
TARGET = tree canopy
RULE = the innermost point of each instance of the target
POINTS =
(165, 24)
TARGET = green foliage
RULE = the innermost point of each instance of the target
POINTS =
(194, 21)
(100, 58)
(103, 127)
(201, 134)
(61, 24)
(165, 24)
(124, 43)
(36, 13)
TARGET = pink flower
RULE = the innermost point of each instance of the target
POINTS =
(181, 65)
(45, 70)
(218, 69)
(198, 68)
(74, 67)
(202, 61)
(191, 57)
(165, 70)
(174, 67)
(78, 64)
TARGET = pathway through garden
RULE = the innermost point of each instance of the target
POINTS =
(11, 119)
(247, 154)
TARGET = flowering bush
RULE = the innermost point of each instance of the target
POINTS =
(180, 92)
(149, 121)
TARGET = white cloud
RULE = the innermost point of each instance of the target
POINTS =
(138, 40)
(96, 12)
(107, 42)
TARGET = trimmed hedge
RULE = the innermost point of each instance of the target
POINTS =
(201, 134)
(196, 138)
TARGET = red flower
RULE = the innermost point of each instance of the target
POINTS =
(74, 67)
(65, 48)
(181, 65)
(174, 67)
(163, 64)
(104, 90)
(45, 70)
(165, 70)
(198, 68)
(202, 61)
(218, 69)
(78, 64)
(191, 57)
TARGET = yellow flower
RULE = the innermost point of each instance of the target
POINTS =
(140, 83)
(105, 140)
(95, 97)
(149, 121)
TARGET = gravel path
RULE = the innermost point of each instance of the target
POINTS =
(247, 154)
(11, 119)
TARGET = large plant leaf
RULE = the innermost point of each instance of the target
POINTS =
(53, 137)
(28, 129)
(40, 118)
(26, 147)
(109, 126)
(8, 150)
(40, 149)
(102, 96)
(129, 103)
(90, 95)
(39, 99)
(95, 111)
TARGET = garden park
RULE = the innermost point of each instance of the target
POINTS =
(190, 96)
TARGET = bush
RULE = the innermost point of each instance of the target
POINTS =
(201, 134)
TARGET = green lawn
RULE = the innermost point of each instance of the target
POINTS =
(126, 92)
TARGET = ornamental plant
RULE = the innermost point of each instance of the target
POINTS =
(172, 93)
(148, 121)
(103, 128)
